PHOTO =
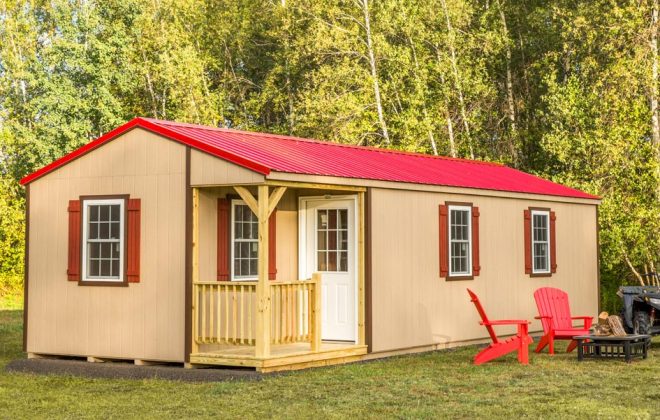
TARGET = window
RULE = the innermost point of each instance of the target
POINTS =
(103, 240)
(332, 240)
(540, 241)
(245, 241)
(460, 242)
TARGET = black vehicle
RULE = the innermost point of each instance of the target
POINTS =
(641, 309)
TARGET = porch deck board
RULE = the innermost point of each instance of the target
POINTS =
(282, 357)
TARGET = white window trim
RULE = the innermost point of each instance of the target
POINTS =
(545, 213)
(469, 241)
(122, 234)
(233, 277)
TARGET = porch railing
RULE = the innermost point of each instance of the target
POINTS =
(225, 312)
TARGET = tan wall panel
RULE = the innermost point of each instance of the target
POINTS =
(144, 320)
(208, 225)
(287, 237)
(413, 306)
(210, 170)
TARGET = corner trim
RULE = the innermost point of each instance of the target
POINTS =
(368, 273)
(187, 336)
(26, 267)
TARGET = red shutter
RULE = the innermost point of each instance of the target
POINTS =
(272, 248)
(476, 266)
(553, 248)
(133, 241)
(528, 241)
(223, 239)
(444, 242)
(75, 238)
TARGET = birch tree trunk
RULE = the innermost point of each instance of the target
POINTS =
(450, 125)
(434, 146)
(509, 89)
(457, 80)
(654, 91)
(364, 4)
(287, 69)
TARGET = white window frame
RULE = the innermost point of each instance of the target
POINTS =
(233, 277)
(545, 213)
(86, 203)
(467, 273)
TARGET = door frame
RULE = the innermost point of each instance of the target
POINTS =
(302, 245)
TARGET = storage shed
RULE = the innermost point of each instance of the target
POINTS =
(164, 241)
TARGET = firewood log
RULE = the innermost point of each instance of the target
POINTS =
(615, 324)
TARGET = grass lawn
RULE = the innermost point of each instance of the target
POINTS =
(439, 384)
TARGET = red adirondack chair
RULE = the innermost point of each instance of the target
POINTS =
(520, 342)
(555, 316)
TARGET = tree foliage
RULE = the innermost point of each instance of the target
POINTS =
(564, 89)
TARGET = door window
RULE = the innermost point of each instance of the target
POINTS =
(332, 240)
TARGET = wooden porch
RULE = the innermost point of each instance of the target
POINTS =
(264, 324)
(282, 356)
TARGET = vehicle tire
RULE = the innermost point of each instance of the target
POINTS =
(641, 322)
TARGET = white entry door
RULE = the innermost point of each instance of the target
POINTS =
(328, 246)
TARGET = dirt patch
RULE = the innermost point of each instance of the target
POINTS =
(114, 370)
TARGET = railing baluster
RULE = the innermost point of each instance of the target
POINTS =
(203, 314)
(296, 320)
(226, 292)
(196, 313)
(278, 314)
(218, 333)
(249, 315)
(242, 315)
(235, 314)
(211, 324)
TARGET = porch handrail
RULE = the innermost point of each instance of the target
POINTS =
(225, 312)
(296, 312)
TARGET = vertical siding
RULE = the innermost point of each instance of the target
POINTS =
(209, 170)
(144, 320)
(413, 306)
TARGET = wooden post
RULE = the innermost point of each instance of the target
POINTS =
(195, 267)
(262, 339)
(315, 324)
(361, 270)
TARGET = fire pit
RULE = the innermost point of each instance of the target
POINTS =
(610, 341)
(626, 347)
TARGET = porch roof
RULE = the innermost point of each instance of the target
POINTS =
(263, 153)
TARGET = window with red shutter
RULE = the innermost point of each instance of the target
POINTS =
(108, 240)
(243, 241)
(459, 241)
(540, 246)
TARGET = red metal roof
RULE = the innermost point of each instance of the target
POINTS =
(264, 153)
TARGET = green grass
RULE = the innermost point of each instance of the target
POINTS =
(439, 384)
